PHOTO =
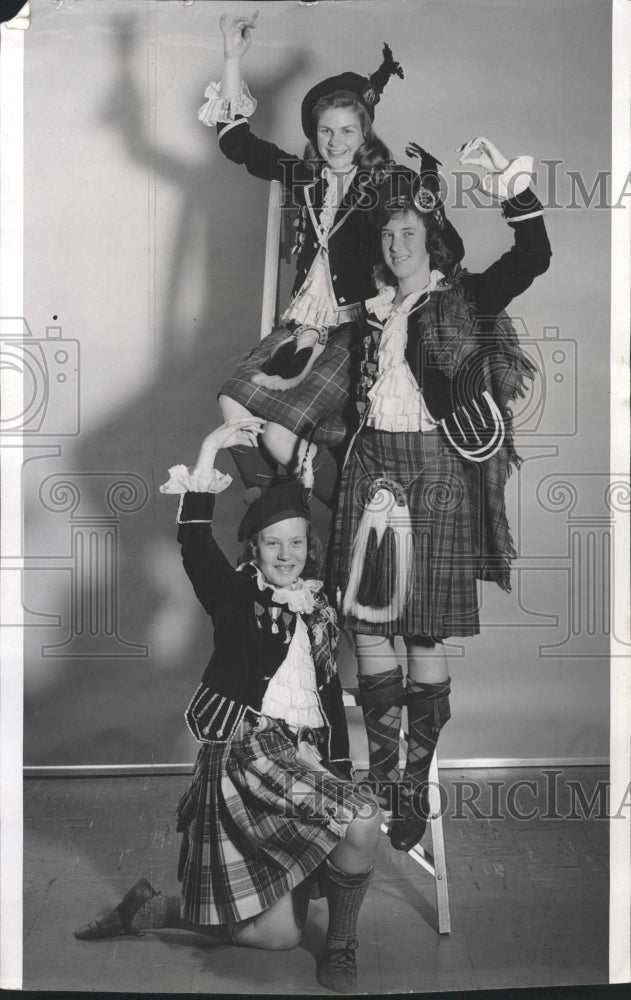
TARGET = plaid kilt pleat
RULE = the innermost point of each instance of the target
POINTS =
(321, 401)
(257, 822)
(442, 598)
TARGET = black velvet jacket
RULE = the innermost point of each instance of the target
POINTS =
(247, 652)
(351, 241)
(449, 334)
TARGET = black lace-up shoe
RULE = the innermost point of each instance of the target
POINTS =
(338, 968)
(118, 920)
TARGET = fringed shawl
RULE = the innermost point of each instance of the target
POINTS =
(456, 336)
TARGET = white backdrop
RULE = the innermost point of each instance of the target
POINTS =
(144, 252)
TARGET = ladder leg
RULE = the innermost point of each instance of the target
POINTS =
(438, 850)
(270, 276)
(434, 863)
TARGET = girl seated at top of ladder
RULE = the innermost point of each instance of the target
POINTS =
(297, 379)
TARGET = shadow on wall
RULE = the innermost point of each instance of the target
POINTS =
(95, 708)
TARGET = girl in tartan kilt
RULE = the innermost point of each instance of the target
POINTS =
(421, 513)
(298, 377)
(272, 806)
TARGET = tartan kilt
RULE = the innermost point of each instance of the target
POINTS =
(442, 598)
(257, 822)
(322, 400)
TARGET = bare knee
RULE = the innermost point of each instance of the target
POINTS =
(280, 442)
(375, 653)
(288, 939)
(363, 833)
(276, 929)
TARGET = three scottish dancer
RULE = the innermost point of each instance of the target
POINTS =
(272, 812)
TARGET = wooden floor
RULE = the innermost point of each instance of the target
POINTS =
(529, 898)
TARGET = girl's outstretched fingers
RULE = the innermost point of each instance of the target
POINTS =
(482, 153)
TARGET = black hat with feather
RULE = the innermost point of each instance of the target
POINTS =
(367, 88)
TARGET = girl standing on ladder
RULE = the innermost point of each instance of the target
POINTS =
(421, 512)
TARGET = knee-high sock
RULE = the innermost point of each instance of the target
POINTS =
(428, 711)
(255, 466)
(159, 911)
(345, 894)
(164, 911)
(381, 699)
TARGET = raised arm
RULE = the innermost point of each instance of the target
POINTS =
(229, 105)
(237, 38)
(513, 272)
(214, 579)
(259, 157)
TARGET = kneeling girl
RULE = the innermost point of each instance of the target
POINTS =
(271, 803)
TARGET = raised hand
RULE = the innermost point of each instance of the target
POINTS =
(239, 430)
(242, 430)
(482, 153)
(237, 34)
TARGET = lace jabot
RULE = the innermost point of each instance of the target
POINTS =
(292, 693)
(396, 401)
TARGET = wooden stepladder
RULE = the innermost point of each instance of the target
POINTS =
(434, 861)
(269, 310)
(277, 242)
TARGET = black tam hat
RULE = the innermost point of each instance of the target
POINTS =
(421, 189)
(266, 507)
(367, 88)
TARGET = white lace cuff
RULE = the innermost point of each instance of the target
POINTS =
(224, 109)
(511, 181)
(180, 481)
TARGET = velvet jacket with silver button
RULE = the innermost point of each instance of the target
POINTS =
(247, 650)
(350, 245)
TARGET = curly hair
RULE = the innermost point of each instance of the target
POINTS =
(373, 152)
(314, 553)
(442, 241)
